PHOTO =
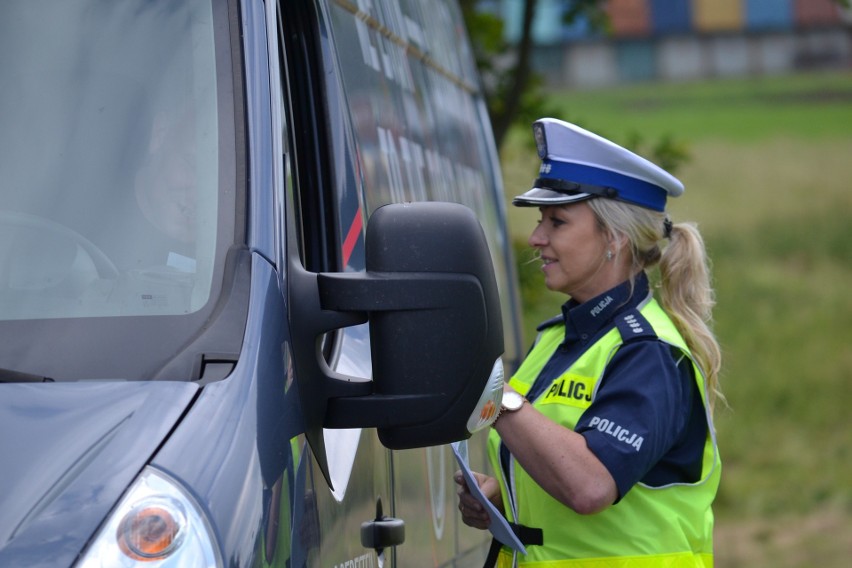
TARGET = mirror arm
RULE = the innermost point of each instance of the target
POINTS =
(375, 292)
(396, 291)
(314, 379)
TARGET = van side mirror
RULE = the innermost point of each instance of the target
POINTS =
(431, 298)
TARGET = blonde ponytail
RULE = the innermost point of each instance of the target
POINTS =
(686, 293)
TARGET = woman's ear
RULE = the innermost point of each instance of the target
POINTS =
(616, 240)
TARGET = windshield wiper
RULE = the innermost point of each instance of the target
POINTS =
(10, 376)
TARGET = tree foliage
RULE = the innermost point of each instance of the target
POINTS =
(516, 94)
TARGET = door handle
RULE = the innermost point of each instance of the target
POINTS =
(383, 531)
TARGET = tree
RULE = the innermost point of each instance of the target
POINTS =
(514, 93)
(512, 90)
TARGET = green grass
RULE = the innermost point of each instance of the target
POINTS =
(814, 106)
(768, 183)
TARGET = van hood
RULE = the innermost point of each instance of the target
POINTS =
(68, 451)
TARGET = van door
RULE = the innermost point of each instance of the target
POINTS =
(422, 134)
(380, 104)
(323, 205)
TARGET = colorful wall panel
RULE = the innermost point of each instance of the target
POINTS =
(591, 65)
(547, 25)
(671, 16)
(636, 60)
(636, 19)
(681, 58)
(774, 53)
(769, 14)
(578, 29)
(629, 18)
(717, 15)
(815, 12)
(728, 55)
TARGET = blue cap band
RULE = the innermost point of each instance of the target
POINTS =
(630, 189)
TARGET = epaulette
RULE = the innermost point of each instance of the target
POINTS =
(632, 325)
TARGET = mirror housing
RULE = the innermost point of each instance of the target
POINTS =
(431, 298)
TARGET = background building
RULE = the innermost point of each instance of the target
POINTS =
(685, 39)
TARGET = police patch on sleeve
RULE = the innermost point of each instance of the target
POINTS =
(618, 432)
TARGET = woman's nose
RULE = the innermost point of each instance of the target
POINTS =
(537, 238)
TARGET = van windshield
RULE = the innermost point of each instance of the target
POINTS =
(116, 191)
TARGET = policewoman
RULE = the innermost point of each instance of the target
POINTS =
(604, 451)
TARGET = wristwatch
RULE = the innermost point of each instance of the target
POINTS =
(512, 402)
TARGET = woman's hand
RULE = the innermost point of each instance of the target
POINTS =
(473, 513)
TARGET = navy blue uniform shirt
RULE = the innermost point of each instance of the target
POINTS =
(646, 390)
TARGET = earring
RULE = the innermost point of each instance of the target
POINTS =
(609, 255)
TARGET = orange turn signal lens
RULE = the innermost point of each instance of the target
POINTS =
(488, 411)
(151, 531)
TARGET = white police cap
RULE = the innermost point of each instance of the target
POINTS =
(577, 164)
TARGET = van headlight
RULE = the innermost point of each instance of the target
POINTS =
(489, 402)
(156, 524)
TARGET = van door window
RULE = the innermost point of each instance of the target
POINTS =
(419, 119)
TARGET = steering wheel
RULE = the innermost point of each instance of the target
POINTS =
(13, 221)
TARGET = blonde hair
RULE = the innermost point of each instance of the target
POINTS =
(686, 293)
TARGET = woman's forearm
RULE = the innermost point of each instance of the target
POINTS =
(558, 459)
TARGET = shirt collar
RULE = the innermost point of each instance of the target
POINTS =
(583, 321)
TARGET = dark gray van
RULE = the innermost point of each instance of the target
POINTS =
(254, 278)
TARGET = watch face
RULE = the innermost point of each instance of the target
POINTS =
(512, 401)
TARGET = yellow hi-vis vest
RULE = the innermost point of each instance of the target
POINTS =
(670, 526)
